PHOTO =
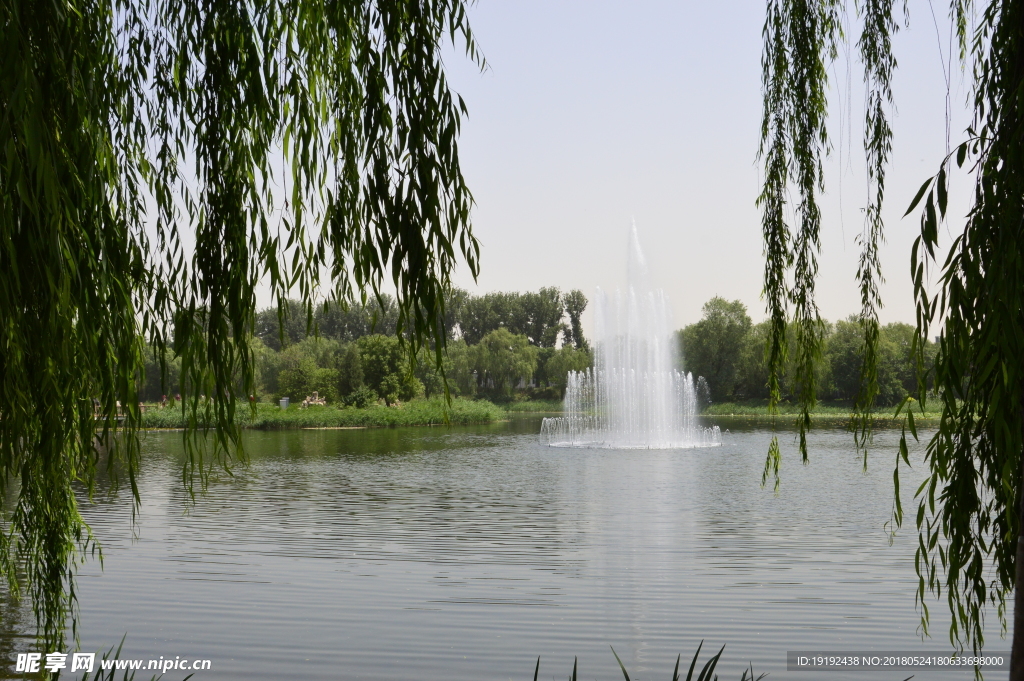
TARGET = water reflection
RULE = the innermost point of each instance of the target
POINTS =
(434, 553)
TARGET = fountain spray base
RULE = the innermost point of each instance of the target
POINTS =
(612, 445)
(588, 432)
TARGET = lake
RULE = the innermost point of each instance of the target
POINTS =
(464, 553)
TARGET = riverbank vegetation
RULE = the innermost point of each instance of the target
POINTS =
(421, 412)
(790, 411)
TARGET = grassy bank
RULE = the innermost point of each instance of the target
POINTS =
(416, 413)
(431, 412)
(531, 406)
(759, 409)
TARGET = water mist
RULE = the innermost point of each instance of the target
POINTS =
(633, 397)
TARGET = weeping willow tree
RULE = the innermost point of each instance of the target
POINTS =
(158, 160)
(970, 510)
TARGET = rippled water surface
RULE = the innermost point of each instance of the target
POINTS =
(466, 553)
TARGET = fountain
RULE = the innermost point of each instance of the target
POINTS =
(633, 397)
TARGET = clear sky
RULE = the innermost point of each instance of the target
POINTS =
(594, 113)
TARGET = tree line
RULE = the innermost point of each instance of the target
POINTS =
(511, 343)
(497, 344)
(728, 350)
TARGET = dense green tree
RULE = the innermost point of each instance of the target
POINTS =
(970, 514)
(267, 369)
(461, 381)
(839, 368)
(711, 347)
(502, 360)
(349, 365)
(161, 158)
(306, 378)
(461, 375)
(903, 372)
(543, 312)
(479, 315)
(322, 351)
(752, 367)
(567, 358)
(352, 321)
(455, 300)
(540, 375)
(432, 379)
(844, 352)
(308, 366)
(160, 378)
(575, 304)
(386, 369)
(896, 374)
(538, 316)
(343, 322)
(269, 328)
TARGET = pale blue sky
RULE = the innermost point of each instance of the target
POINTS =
(594, 113)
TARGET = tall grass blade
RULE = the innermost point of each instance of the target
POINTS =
(101, 674)
(748, 674)
(689, 674)
(675, 674)
(536, 671)
(574, 661)
(709, 668)
(621, 666)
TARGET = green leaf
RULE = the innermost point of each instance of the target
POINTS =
(919, 195)
(930, 227)
(693, 662)
(904, 452)
(709, 668)
(941, 187)
(897, 502)
(621, 666)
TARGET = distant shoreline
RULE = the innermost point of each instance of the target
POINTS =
(786, 412)
(432, 412)
(426, 412)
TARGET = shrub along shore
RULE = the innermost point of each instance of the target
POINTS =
(427, 412)
(758, 409)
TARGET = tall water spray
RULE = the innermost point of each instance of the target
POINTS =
(633, 397)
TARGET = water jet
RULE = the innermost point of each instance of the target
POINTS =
(633, 397)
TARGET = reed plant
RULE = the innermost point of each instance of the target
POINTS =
(101, 674)
(707, 673)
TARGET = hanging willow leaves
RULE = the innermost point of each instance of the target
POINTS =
(970, 507)
(970, 515)
(162, 157)
(799, 38)
(875, 47)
